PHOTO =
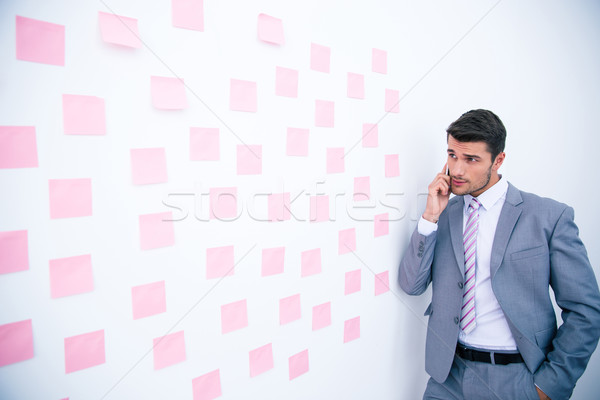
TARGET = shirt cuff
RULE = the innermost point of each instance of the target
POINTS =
(425, 227)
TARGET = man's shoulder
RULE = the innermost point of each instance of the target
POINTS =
(533, 201)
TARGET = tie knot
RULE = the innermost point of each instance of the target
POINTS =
(474, 205)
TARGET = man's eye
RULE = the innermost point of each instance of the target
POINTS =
(472, 159)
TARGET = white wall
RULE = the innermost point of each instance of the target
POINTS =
(533, 63)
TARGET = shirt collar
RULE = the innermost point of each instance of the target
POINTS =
(488, 198)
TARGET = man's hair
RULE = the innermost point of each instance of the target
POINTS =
(479, 126)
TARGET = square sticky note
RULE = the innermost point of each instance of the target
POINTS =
(156, 230)
(70, 198)
(382, 283)
(351, 329)
(392, 101)
(370, 135)
(234, 316)
(362, 188)
(149, 299)
(356, 86)
(382, 224)
(319, 208)
(71, 275)
(204, 144)
(168, 93)
(298, 364)
(14, 251)
(289, 309)
(223, 203)
(270, 29)
(319, 57)
(219, 262)
(242, 96)
(84, 351)
(249, 159)
(324, 113)
(347, 241)
(279, 207)
(16, 342)
(207, 386)
(392, 166)
(335, 160)
(117, 29)
(40, 41)
(168, 350)
(297, 142)
(379, 61)
(286, 82)
(352, 282)
(18, 147)
(83, 115)
(321, 316)
(310, 262)
(261, 360)
(273, 261)
(148, 166)
(188, 14)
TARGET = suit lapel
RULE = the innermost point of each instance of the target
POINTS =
(508, 219)
(455, 219)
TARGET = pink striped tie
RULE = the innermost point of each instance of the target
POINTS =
(467, 317)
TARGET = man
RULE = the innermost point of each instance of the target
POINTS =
(491, 253)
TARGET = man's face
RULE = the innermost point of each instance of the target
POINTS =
(471, 168)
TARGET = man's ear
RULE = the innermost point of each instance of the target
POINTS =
(498, 161)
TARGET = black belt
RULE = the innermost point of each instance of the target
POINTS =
(489, 357)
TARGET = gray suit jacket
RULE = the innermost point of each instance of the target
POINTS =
(536, 246)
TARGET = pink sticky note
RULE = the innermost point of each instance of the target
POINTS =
(392, 101)
(168, 93)
(324, 113)
(286, 82)
(297, 142)
(156, 230)
(321, 316)
(279, 207)
(117, 29)
(362, 188)
(40, 41)
(352, 282)
(289, 309)
(379, 61)
(16, 342)
(382, 224)
(234, 316)
(219, 262)
(261, 360)
(319, 208)
(335, 160)
(223, 203)
(356, 86)
(249, 159)
(382, 283)
(273, 261)
(18, 147)
(71, 275)
(83, 115)
(169, 350)
(148, 166)
(319, 57)
(298, 364)
(14, 251)
(370, 135)
(392, 167)
(310, 262)
(347, 241)
(70, 198)
(270, 29)
(242, 96)
(207, 386)
(84, 351)
(351, 329)
(188, 14)
(149, 299)
(204, 144)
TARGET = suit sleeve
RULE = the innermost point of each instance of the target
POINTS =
(576, 291)
(414, 274)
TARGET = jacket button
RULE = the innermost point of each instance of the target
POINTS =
(460, 285)
(456, 320)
